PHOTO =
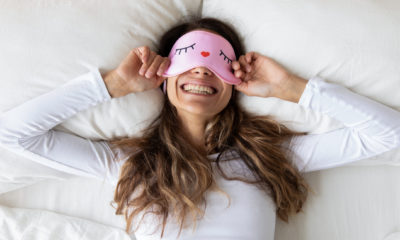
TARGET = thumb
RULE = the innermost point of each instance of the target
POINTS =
(159, 80)
(241, 87)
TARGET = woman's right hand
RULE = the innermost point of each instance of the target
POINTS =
(140, 71)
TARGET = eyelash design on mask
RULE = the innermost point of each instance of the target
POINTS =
(225, 57)
(186, 48)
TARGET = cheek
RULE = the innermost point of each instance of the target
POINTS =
(171, 91)
(227, 96)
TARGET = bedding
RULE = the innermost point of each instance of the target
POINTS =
(31, 224)
(354, 43)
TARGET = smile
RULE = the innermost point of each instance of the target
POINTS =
(198, 89)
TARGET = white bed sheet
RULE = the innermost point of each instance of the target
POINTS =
(37, 224)
(349, 203)
(87, 200)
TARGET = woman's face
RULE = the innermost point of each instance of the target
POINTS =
(198, 91)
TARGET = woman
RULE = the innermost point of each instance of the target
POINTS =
(203, 144)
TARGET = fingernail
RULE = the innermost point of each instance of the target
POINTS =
(148, 74)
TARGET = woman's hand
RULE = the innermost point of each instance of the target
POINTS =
(140, 71)
(263, 77)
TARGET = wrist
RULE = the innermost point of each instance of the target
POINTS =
(293, 88)
(114, 84)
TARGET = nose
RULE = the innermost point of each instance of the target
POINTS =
(202, 71)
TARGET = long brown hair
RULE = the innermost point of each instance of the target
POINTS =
(170, 173)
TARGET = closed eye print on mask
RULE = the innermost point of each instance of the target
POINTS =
(178, 50)
(225, 57)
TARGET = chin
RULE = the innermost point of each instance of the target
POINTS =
(201, 111)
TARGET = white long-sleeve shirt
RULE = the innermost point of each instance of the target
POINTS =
(370, 128)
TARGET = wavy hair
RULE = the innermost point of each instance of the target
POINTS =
(167, 173)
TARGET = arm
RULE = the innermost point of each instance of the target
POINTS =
(27, 129)
(370, 128)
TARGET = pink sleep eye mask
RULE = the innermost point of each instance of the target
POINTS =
(201, 48)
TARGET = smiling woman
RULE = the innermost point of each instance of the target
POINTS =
(201, 124)
(202, 82)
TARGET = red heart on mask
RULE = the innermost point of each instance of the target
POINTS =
(205, 54)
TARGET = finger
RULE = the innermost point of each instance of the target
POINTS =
(241, 87)
(164, 65)
(250, 56)
(145, 66)
(151, 71)
(239, 74)
(144, 53)
(159, 80)
(246, 78)
(237, 87)
(235, 65)
(245, 65)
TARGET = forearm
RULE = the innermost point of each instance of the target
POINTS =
(42, 113)
(370, 128)
(27, 130)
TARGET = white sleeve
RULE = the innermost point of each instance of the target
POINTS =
(370, 128)
(27, 129)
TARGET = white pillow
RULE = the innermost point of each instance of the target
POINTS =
(352, 43)
(44, 44)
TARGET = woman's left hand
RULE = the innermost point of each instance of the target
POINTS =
(263, 77)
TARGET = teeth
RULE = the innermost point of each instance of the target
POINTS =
(198, 89)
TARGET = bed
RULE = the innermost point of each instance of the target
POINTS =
(44, 44)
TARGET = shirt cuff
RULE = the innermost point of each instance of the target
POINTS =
(98, 79)
(310, 89)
